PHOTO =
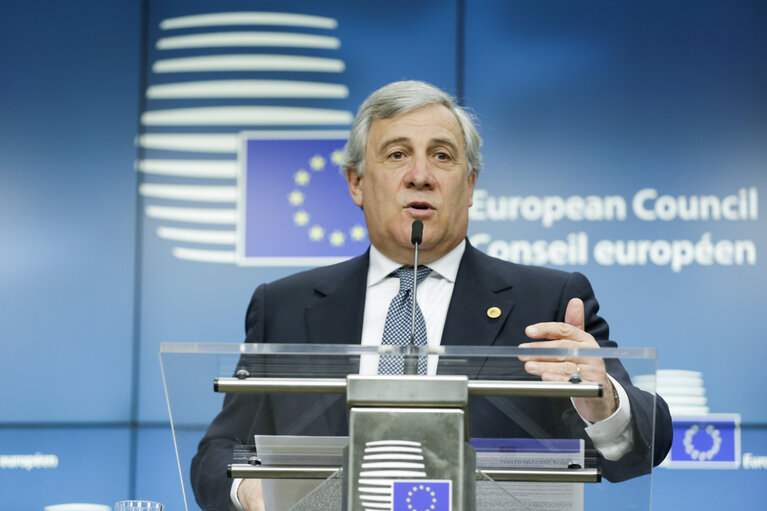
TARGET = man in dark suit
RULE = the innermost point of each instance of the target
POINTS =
(413, 154)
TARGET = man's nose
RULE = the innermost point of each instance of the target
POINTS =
(420, 174)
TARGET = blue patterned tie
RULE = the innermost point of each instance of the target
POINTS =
(399, 322)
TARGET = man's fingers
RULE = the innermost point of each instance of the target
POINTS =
(574, 320)
(574, 315)
(555, 371)
(555, 331)
(559, 343)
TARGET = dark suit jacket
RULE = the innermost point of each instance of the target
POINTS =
(326, 305)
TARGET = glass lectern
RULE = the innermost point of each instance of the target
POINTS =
(322, 431)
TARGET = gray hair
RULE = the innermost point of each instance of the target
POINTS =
(400, 98)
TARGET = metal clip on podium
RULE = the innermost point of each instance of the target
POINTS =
(410, 412)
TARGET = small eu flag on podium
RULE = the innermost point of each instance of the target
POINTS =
(421, 495)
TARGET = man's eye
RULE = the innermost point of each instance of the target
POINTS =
(397, 155)
(443, 156)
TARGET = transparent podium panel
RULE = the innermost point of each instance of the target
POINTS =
(318, 429)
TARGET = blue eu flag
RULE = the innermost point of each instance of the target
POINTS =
(294, 202)
(421, 495)
(711, 441)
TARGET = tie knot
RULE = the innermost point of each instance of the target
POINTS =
(405, 274)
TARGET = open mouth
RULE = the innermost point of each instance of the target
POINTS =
(423, 206)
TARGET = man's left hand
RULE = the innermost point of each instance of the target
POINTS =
(571, 334)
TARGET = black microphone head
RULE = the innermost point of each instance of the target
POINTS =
(416, 235)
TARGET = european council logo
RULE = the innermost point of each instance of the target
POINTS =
(421, 495)
(232, 103)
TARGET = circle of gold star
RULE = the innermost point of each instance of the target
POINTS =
(416, 489)
(337, 157)
(317, 162)
(357, 233)
(302, 177)
(296, 197)
(337, 238)
(316, 233)
(301, 218)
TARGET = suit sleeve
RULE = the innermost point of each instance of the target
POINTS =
(644, 406)
(229, 437)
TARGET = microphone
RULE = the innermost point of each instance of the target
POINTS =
(416, 236)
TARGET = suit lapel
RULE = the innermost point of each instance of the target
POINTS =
(336, 315)
(481, 290)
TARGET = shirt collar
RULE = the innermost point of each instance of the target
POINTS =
(445, 267)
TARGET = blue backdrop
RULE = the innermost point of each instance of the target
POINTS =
(604, 123)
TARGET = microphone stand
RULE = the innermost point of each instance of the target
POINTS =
(411, 359)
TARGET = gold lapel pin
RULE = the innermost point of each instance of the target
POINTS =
(493, 312)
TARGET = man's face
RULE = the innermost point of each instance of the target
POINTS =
(415, 168)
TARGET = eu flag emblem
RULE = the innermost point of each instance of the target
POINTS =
(710, 441)
(421, 495)
(294, 205)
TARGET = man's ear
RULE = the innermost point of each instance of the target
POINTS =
(472, 181)
(355, 185)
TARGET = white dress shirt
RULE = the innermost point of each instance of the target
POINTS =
(434, 294)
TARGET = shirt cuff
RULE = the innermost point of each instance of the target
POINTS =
(613, 437)
(234, 504)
